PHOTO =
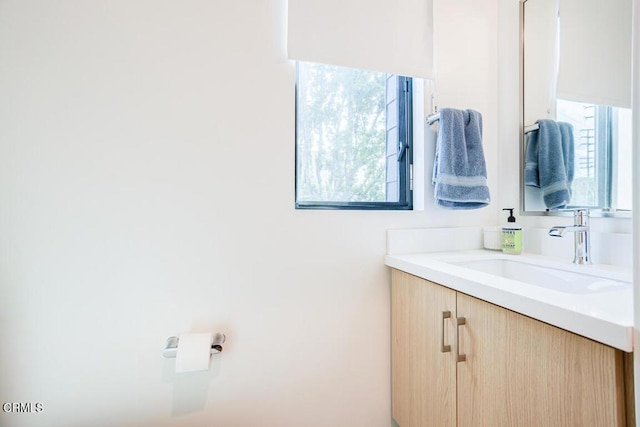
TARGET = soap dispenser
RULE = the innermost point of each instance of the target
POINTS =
(511, 235)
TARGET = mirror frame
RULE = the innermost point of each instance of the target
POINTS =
(605, 213)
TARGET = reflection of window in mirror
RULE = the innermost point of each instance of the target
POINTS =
(622, 160)
(602, 162)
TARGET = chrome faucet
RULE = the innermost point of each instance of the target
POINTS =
(580, 228)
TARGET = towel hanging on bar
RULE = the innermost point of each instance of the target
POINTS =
(459, 170)
(549, 162)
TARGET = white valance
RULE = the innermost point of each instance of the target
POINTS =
(380, 35)
(595, 52)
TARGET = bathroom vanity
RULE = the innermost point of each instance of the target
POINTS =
(473, 345)
(482, 339)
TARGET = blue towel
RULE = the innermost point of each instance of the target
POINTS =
(459, 170)
(568, 150)
(549, 162)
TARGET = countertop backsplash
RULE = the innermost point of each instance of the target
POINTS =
(606, 248)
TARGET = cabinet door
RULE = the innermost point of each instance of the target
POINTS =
(522, 372)
(482, 378)
(423, 377)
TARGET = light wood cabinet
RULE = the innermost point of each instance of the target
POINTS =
(423, 377)
(517, 371)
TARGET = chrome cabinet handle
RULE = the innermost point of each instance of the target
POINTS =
(459, 322)
(444, 348)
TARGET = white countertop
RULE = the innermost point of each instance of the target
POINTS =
(606, 317)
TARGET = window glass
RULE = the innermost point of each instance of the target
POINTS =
(353, 131)
(602, 168)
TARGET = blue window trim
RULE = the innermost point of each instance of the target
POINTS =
(405, 133)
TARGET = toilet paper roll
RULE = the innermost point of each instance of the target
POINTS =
(194, 352)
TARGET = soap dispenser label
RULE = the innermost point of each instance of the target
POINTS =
(512, 241)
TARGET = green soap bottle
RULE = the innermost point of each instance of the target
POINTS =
(511, 235)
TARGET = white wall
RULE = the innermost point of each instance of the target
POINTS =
(146, 189)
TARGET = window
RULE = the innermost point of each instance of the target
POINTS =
(353, 139)
(602, 168)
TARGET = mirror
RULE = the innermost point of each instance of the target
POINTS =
(576, 106)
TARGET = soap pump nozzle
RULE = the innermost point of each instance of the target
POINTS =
(511, 217)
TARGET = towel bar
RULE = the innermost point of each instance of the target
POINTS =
(433, 118)
(531, 128)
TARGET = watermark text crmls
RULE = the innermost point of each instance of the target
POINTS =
(22, 407)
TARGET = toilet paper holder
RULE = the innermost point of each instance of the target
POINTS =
(171, 346)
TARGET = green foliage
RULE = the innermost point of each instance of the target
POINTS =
(340, 134)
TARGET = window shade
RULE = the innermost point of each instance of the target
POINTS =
(540, 59)
(379, 35)
(595, 52)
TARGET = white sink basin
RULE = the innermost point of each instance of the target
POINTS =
(589, 281)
